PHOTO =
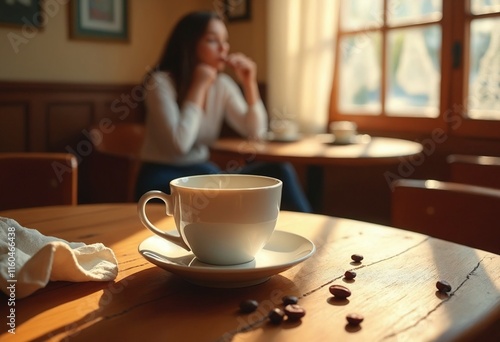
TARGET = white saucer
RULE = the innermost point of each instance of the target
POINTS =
(273, 137)
(328, 138)
(283, 251)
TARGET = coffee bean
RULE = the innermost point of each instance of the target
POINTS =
(349, 275)
(443, 286)
(294, 312)
(340, 291)
(354, 319)
(276, 316)
(249, 305)
(357, 257)
(290, 300)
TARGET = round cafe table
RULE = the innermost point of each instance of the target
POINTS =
(316, 152)
(394, 288)
(320, 150)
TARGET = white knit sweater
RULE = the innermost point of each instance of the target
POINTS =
(181, 136)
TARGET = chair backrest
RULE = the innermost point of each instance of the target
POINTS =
(462, 213)
(115, 162)
(33, 179)
(476, 170)
(121, 140)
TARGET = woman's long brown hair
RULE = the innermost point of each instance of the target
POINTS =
(179, 56)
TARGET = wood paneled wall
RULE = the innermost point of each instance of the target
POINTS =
(56, 116)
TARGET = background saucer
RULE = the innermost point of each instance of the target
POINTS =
(273, 137)
(327, 138)
(283, 251)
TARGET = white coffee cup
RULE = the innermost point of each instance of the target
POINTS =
(224, 219)
(284, 129)
(343, 131)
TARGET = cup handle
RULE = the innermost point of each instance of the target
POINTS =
(141, 210)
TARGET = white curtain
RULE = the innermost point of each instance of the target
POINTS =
(301, 52)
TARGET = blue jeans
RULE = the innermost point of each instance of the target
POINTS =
(154, 176)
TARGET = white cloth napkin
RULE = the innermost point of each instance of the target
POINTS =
(29, 260)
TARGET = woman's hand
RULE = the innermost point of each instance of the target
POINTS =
(246, 71)
(244, 68)
(203, 77)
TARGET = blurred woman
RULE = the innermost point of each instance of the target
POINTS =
(187, 100)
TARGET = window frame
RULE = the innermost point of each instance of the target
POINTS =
(455, 25)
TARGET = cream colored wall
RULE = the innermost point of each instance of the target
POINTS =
(48, 55)
(250, 37)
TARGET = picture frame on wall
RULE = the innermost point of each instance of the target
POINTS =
(21, 13)
(237, 10)
(99, 20)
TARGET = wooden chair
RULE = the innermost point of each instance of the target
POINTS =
(461, 213)
(476, 170)
(32, 179)
(115, 162)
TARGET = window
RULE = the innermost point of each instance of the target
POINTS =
(417, 65)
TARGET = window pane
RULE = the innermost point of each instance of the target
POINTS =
(361, 14)
(410, 11)
(414, 72)
(484, 6)
(484, 69)
(359, 89)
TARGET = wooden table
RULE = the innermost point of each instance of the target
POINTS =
(394, 289)
(317, 151)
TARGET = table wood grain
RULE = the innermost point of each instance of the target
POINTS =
(315, 150)
(394, 289)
